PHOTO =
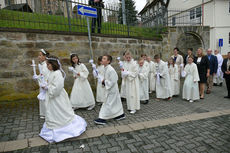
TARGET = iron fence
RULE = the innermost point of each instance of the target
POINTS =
(61, 15)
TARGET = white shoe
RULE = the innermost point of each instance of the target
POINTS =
(42, 117)
(90, 107)
(188, 99)
(191, 101)
(133, 112)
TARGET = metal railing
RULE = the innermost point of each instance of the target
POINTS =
(61, 15)
(176, 17)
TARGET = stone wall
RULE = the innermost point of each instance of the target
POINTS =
(18, 49)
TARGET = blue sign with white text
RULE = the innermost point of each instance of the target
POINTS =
(221, 42)
(87, 11)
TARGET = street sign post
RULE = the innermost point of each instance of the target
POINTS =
(221, 43)
(88, 12)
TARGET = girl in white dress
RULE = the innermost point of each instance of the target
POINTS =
(44, 72)
(60, 123)
(191, 87)
(143, 82)
(81, 95)
(100, 96)
(174, 77)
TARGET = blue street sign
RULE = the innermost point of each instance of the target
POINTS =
(87, 11)
(221, 42)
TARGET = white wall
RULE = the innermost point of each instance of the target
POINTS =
(2, 3)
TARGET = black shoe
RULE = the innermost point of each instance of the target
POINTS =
(221, 84)
(145, 102)
(121, 117)
(227, 97)
(100, 121)
(214, 84)
(123, 99)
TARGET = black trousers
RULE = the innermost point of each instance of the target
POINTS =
(97, 20)
(227, 80)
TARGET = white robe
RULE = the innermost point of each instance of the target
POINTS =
(218, 78)
(174, 79)
(163, 87)
(112, 107)
(132, 85)
(143, 83)
(101, 92)
(191, 89)
(44, 72)
(152, 78)
(60, 122)
(123, 89)
(179, 62)
(82, 95)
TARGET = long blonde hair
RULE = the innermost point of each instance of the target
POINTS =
(202, 52)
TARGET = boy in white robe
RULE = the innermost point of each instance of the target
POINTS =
(123, 90)
(112, 108)
(218, 78)
(81, 95)
(101, 91)
(152, 72)
(60, 123)
(131, 80)
(143, 82)
(191, 87)
(174, 77)
(44, 72)
(163, 85)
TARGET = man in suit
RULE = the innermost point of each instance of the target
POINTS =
(98, 4)
(226, 70)
(213, 69)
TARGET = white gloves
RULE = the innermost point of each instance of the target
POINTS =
(100, 79)
(71, 69)
(183, 73)
(121, 64)
(44, 85)
(95, 74)
(125, 73)
(35, 77)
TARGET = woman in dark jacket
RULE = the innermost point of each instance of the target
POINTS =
(202, 63)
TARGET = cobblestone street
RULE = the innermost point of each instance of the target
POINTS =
(207, 136)
(20, 120)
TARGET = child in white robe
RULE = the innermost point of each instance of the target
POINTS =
(60, 123)
(131, 80)
(101, 92)
(44, 72)
(81, 95)
(152, 72)
(112, 108)
(174, 77)
(191, 87)
(143, 82)
(163, 85)
(123, 90)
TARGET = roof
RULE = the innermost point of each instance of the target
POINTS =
(153, 3)
(19, 7)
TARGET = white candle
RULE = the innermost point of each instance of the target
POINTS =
(34, 67)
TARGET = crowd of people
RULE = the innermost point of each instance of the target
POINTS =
(139, 79)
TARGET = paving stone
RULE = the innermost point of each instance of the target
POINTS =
(15, 145)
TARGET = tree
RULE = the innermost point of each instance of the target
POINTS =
(131, 12)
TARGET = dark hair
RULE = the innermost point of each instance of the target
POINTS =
(51, 60)
(190, 49)
(156, 57)
(109, 58)
(46, 55)
(228, 52)
(99, 60)
(143, 55)
(173, 62)
(176, 49)
(71, 57)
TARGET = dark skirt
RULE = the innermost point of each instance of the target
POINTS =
(203, 77)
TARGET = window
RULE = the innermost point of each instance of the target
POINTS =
(192, 14)
(174, 21)
(229, 38)
(229, 7)
(198, 12)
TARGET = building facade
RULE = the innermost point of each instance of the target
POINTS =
(212, 13)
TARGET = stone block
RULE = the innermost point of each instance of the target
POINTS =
(43, 45)
(15, 145)
(26, 85)
(26, 45)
